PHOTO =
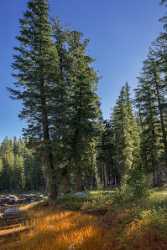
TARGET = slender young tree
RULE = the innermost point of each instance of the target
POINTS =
(125, 136)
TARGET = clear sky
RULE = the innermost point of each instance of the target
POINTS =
(120, 33)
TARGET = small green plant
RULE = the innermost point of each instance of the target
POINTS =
(133, 188)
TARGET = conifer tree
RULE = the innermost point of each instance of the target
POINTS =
(84, 104)
(35, 65)
(62, 99)
(150, 127)
(152, 68)
(125, 136)
(151, 105)
(150, 98)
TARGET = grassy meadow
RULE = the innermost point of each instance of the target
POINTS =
(95, 223)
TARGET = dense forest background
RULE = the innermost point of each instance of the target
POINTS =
(20, 167)
(67, 145)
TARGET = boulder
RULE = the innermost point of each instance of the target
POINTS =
(80, 195)
(11, 212)
(4, 200)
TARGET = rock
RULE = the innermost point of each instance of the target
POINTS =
(13, 197)
(11, 212)
(80, 195)
(8, 199)
(4, 200)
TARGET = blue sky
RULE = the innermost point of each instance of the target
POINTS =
(120, 33)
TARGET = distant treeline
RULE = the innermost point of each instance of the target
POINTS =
(20, 167)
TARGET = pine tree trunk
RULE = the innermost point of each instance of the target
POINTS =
(79, 186)
(144, 154)
(105, 175)
(97, 178)
(52, 187)
(153, 151)
(164, 134)
(66, 184)
(156, 178)
(115, 181)
(49, 161)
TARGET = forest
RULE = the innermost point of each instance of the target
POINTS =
(71, 153)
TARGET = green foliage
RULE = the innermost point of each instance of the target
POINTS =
(133, 190)
(84, 106)
(125, 135)
(150, 99)
(151, 104)
(20, 168)
(136, 184)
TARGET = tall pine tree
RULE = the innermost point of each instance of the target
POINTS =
(36, 65)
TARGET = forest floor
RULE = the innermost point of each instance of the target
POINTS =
(94, 223)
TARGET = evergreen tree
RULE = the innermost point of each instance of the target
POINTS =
(150, 127)
(150, 99)
(125, 136)
(84, 106)
(36, 65)
(151, 105)
(62, 104)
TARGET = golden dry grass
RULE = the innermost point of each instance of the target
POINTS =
(58, 229)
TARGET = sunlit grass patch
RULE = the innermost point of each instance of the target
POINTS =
(158, 195)
(61, 230)
(139, 225)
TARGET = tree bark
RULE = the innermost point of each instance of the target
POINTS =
(49, 161)
(164, 134)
